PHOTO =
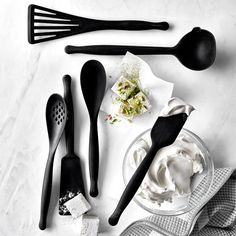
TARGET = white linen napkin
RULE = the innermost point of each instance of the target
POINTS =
(215, 214)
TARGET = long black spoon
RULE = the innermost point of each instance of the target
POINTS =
(93, 83)
(163, 133)
(196, 50)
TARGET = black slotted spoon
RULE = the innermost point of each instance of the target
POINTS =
(56, 113)
(45, 24)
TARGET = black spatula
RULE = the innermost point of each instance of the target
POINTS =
(71, 174)
(45, 24)
(163, 133)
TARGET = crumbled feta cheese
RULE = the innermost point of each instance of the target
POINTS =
(126, 111)
(62, 208)
(140, 103)
(77, 205)
(123, 87)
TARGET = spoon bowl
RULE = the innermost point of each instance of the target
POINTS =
(93, 83)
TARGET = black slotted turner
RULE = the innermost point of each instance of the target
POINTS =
(71, 182)
(45, 24)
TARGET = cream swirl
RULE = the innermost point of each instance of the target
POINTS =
(175, 106)
(171, 171)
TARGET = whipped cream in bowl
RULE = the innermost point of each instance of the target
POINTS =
(176, 173)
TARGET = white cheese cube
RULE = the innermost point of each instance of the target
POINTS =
(88, 225)
(126, 111)
(77, 205)
(123, 87)
(140, 102)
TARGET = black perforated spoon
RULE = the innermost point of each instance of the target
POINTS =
(163, 133)
(56, 114)
(196, 50)
(93, 83)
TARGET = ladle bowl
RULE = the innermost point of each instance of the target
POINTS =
(197, 49)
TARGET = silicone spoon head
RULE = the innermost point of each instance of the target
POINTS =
(56, 114)
(197, 49)
(93, 84)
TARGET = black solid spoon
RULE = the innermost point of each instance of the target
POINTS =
(196, 50)
(93, 83)
(163, 133)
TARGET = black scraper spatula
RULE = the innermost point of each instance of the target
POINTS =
(71, 173)
(163, 133)
(45, 24)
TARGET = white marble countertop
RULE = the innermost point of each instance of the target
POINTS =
(29, 74)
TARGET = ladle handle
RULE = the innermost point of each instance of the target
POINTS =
(46, 192)
(93, 158)
(69, 128)
(117, 50)
(133, 185)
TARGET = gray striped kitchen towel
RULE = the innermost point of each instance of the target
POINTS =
(214, 216)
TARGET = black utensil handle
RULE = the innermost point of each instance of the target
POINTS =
(46, 192)
(93, 24)
(133, 185)
(93, 158)
(117, 50)
(69, 128)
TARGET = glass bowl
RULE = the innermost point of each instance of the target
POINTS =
(200, 182)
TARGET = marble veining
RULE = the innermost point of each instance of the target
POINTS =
(29, 74)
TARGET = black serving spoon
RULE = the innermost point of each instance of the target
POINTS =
(93, 83)
(196, 50)
(163, 133)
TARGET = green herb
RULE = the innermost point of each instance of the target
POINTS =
(112, 119)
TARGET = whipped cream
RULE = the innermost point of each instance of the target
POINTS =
(171, 170)
(175, 106)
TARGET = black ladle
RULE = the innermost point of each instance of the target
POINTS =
(196, 50)
(93, 83)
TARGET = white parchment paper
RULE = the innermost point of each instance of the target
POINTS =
(158, 90)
